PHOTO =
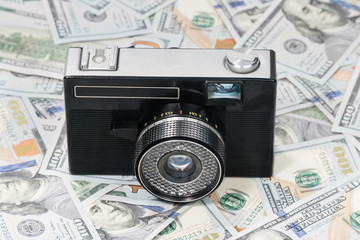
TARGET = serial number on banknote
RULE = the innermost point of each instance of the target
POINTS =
(198, 233)
(189, 236)
(4, 229)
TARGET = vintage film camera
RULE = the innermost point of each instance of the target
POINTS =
(177, 118)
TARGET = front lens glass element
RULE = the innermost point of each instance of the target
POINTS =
(179, 162)
(179, 166)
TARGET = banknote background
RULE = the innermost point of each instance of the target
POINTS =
(314, 191)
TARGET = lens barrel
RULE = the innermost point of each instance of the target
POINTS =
(180, 155)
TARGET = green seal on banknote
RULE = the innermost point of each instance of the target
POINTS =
(307, 179)
(355, 219)
(232, 201)
(203, 21)
(169, 229)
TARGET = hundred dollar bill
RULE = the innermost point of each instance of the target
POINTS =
(289, 97)
(56, 163)
(197, 222)
(312, 112)
(164, 41)
(89, 192)
(70, 22)
(240, 21)
(132, 191)
(26, 45)
(354, 140)
(345, 72)
(116, 195)
(41, 207)
(293, 128)
(198, 21)
(234, 7)
(224, 38)
(352, 59)
(133, 194)
(95, 6)
(147, 41)
(115, 219)
(327, 97)
(143, 8)
(307, 43)
(305, 168)
(262, 3)
(239, 201)
(211, 35)
(165, 23)
(333, 213)
(33, 6)
(347, 119)
(28, 85)
(21, 144)
(47, 108)
(49, 114)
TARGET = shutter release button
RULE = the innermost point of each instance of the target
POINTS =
(242, 60)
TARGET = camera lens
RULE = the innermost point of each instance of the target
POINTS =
(179, 162)
(180, 155)
(179, 166)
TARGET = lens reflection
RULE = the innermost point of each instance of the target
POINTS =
(179, 162)
(225, 88)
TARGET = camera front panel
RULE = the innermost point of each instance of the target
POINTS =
(246, 123)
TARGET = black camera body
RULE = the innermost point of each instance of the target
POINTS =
(177, 118)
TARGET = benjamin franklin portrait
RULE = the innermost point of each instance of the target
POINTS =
(323, 22)
(22, 195)
(118, 220)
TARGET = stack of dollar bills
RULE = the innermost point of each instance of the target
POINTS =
(314, 192)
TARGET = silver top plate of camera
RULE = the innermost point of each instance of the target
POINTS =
(113, 61)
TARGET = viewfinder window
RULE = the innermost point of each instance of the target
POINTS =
(224, 91)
